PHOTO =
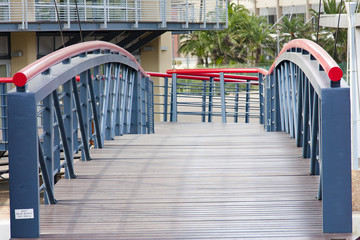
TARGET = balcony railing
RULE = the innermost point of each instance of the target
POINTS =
(103, 11)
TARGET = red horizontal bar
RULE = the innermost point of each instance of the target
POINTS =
(201, 78)
(217, 70)
(6, 80)
(24, 75)
(325, 60)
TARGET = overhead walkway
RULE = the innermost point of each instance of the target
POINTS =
(189, 181)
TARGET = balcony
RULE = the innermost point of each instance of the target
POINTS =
(42, 15)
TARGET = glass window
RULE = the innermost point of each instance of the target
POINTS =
(4, 46)
(46, 45)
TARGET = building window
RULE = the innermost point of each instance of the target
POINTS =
(5, 46)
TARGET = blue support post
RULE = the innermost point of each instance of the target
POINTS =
(66, 148)
(48, 144)
(68, 123)
(23, 165)
(314, 135)
(280, 100)
(211, 95)
(96, 116)
(247, 101)
(166, 93)
(57, 147)
(222, 93)
(203, 106)
(174, 98)
(261, 98)
(86, 154)
(300, 93)
(336, 160)
(3, 99)
(236, 109)
(143, 104)
(124, 87)
(136, 105)
(83, 96)
(130, 100)
(115, 101)
(105, 112)
(306, 129)
(269, 96)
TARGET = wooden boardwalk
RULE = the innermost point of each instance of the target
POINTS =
(190, 181)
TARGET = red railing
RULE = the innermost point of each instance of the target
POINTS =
(27, 73)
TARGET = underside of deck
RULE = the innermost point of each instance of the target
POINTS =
(190, 181)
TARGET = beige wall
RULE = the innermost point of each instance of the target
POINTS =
(156, 56)
(24, 42)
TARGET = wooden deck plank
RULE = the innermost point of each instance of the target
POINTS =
(190, 181)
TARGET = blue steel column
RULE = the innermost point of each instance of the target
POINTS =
(261, 98)
(236, 109)
(83, 96)
(23, 165)
(136, 105)
(300, 93)
(174, 98)
(143, 104)
(68, 116)
(203, 106)
(65, 143)
(123, 97)
(211, 94)
(132, 78)
(48, 144)
(306, 130)
(97, 81)
(105, 114)
(336, 160)
(81, 122)
(247, 101)
(222, 93)
(94, 107)
(166, 93)
(115, 101)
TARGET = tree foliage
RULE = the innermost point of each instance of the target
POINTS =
(250, 39)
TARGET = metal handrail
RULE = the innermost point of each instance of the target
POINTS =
(50, 109)
(305, 96)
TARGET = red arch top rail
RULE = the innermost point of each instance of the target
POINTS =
(27, 73)
(329, 65)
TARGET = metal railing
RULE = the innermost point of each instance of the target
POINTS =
(51, 116)
(103, 11)
(305, 96)
(190, 95)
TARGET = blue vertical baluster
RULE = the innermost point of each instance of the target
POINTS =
(247, 101)
(97, 101)
(236, 109)
(143, 104)
(222, 93)
(281, 99)
(300, 93)
(203, 105)
(105, 104)
(123, 96)
(314, 136)
(83, 96)
(94, 107)
(135, 127)
(115, 101)
(211, 95)
(306, 119)
(166, 93)
(86, 155)
(293, 80)
(174, 98)
(68, 124)
(261, 97)
(65, 144)
(132, 77)
(48, 144)
(57, 147)
(3, 99)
